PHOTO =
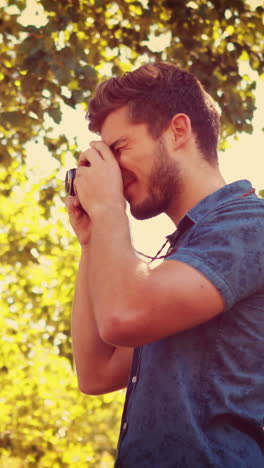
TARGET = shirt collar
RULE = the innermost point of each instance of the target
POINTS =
(212, 201)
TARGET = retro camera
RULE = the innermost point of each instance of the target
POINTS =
(69, 179)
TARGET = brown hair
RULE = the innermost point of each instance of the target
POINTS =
(154, 93)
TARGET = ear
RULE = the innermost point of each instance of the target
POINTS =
(181, 129)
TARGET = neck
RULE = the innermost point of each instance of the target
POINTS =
(196, 185)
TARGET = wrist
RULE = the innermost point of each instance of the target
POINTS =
(109, 212)
(110, 228)
(85, 248)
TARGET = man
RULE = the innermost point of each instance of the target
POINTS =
(187, 336)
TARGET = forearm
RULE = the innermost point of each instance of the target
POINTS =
(118, 275)
(90, 353)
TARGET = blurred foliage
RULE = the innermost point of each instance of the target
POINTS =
(52, 54)
(45, 421)
(61, 60)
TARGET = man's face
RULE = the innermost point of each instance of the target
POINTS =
(151, 177)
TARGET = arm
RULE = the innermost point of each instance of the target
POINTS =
(100, 367)
(147, 304)
(132, 304)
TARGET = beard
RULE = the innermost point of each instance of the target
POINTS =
(165, 182)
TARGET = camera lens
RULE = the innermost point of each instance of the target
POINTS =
(69, 179)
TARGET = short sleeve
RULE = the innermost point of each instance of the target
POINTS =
(227, 246)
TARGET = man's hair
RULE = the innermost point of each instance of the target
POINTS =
(154, 93)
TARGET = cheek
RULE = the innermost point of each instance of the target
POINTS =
(137, 162)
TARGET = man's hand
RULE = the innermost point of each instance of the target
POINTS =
(98, 182)
(79, 220)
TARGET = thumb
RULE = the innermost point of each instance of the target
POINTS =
(72, 203)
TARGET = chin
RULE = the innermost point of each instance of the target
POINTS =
(145, 211)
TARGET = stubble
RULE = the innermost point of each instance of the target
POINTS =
(164, 185)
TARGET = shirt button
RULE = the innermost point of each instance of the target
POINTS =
(134, 379)
(124, 426)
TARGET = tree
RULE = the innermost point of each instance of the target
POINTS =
(45, 421)
(62, 59)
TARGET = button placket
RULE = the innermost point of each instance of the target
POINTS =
(132, 384)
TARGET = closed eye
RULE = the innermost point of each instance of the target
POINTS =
(117, 151)
(118, 145)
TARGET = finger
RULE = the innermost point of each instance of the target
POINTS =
(88, 157)
(83, 161)
(76, 201)
(80, 178)
(72, 203)
(69, 203)
(75, 212)
(104, 150)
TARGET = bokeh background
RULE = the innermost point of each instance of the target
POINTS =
(53, 53)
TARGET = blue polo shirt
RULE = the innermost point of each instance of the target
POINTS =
(196, 399)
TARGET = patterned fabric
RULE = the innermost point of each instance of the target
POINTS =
(195, 399)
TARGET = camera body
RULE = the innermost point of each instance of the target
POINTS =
(69, 180)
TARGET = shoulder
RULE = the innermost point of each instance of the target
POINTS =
(242, 210)
(226, 245)
(235, 225)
